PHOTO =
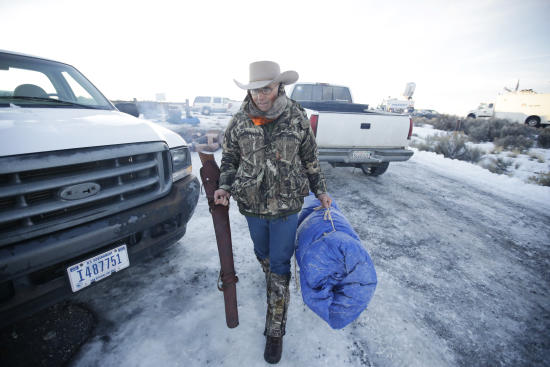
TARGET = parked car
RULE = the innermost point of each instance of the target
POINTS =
(209, 104)
(429, 114)
(85, 190)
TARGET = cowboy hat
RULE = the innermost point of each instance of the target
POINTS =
(263, 73)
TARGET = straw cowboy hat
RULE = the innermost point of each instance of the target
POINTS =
(263, 73)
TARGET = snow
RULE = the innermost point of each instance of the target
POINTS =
(515, 185)
(449, 240)
(512, 187)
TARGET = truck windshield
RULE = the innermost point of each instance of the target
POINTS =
(312, 92)
(32, 82)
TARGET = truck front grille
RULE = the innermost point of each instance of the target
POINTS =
(36, 189)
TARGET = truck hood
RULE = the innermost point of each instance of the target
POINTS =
(32, 130)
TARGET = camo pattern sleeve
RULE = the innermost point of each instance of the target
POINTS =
(231, 157)
(309, 156)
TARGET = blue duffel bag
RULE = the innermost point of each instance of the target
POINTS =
(337, 276)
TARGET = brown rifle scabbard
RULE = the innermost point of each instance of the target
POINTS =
(210, 175)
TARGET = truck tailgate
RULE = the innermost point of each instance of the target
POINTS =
(361, 130)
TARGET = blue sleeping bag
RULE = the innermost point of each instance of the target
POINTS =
(337, 275)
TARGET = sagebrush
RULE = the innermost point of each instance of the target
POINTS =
(542, 178)
(543, 140)
(519, 142)
(451, 146)
(488, 130)
(497, 165)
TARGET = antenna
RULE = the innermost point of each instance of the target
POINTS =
(409, 90)
(517, 86)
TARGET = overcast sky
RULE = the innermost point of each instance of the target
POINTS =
(458, 53)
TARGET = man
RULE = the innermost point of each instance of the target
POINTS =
(269, 164)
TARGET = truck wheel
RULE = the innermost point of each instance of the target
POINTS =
(533, 121)
(205, 111)
(471, 116)
(374, 169)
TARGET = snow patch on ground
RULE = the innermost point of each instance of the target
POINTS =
(522, 165)
(514, 188)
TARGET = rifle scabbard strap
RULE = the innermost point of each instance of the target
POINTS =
(225, 280)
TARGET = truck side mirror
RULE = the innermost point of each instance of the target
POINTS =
(128, 107)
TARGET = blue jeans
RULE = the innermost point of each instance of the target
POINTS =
(274, 239)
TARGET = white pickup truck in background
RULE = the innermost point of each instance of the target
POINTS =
(349, 134)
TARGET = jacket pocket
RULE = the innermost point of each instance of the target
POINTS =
(246, 190)
(294, 185)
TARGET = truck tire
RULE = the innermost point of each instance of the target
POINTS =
(533, 121)
(374, 169)
(471, 116)
(205, 111)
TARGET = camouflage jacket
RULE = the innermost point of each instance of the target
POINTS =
(269, 169)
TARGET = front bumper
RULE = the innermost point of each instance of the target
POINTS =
(33, 272)
(343, 156)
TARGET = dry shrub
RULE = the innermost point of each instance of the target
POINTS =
(445, 122)
(484, 130)
(498, 165)
(420, 121)
(451, 146)
(520, 142)
(541, 178)
(543, 140)
(488, 130)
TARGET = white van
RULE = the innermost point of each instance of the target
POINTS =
(524, 107)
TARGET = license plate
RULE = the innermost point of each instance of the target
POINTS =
(357, 155)
(98, 267)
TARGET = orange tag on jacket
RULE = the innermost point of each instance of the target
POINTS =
(258, 121)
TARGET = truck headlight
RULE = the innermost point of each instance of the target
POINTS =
(181, 163)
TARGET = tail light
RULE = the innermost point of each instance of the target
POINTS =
(313, 122)
(410, 128)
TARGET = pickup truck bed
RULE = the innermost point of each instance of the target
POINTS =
(349, 134)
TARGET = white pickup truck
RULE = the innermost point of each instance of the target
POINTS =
(85, 190)
(350, 134)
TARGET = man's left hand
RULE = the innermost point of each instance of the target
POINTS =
(325, 200)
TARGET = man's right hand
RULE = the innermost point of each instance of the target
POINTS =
(221, 197)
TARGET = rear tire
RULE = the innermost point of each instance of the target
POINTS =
(374, 169)
(533, 121)
(471, 116)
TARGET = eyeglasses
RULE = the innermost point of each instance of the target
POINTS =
(265, 91)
